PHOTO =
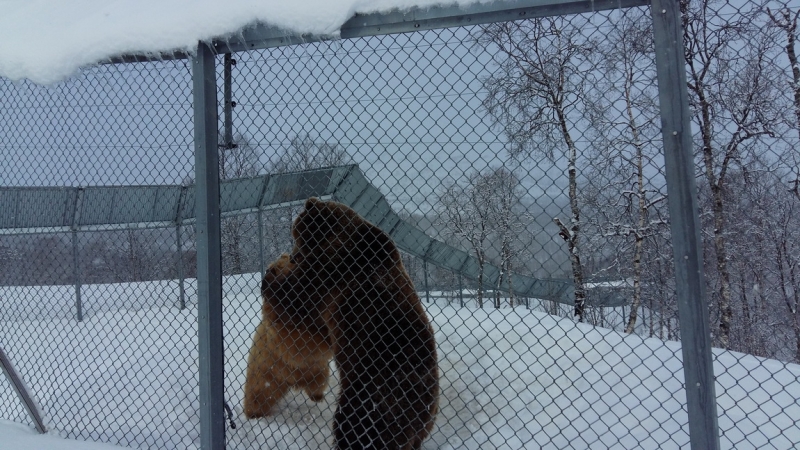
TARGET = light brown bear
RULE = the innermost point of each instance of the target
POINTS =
(348, 273)
(291, 347)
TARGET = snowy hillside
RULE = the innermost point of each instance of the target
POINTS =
(511, 379)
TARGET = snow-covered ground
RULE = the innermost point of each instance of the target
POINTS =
(510, 378)
(20, 437)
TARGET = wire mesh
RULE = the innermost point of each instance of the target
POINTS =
(532, 146)
(92, 319)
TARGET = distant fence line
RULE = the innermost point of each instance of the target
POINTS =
(31, 210)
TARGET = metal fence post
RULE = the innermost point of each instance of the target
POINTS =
(77, 274)
(22, 391)
(76, 264)
(181, 288)
(209, 264)
(685, 226)
(179, 244)
(425, 274)
(227, 83)
(261, 240)
(460, 291)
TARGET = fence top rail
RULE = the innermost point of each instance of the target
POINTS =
(261, 35)
(32, 210)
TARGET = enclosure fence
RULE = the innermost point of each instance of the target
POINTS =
(596, 202)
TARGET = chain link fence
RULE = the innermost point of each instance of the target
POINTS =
(523, 150)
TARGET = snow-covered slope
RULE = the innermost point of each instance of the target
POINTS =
(511, 378)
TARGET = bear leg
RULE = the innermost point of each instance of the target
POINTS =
(262, 390)
(317, 383)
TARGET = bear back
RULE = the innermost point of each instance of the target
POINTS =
(384, 344)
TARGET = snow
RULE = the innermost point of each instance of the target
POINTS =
(510, 378)
(20, 437)
(47, 41)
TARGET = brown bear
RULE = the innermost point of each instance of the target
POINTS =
(348, 273)
(291, 347)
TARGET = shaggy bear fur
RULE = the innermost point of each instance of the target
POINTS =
(291, 347)
(345, 275)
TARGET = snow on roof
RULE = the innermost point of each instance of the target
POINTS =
(47, 41)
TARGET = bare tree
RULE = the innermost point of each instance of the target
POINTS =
(532, 96)
(9, 260)
(622, 194)
(785, 20)
(765, 259)
(465, 215)
(239, 160)
(785, 238)
(483, 211)
(732, 94)
(133, 256)
(304, 153)
(508, 221)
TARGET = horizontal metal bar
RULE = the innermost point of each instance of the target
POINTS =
(261, 36)
(83, 228)
(148, 57)
(479, 13)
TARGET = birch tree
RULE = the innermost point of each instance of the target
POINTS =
(624, 115)
(786, 21)
(508, 225)
(483, 212)
(786, 240)
(731, 93)
(464, 213)
(784, 232)
(532, 98)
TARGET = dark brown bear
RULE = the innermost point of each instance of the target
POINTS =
(383, 343)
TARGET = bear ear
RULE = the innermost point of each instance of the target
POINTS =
(376, 247)
(312, 202)
(313, 225)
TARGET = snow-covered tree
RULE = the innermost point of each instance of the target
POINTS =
(484, 211)
(624, 115)
(786, 21)
(534, 96)
(732, 92)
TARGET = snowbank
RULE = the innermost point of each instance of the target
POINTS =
(47, 41)
(20, 437)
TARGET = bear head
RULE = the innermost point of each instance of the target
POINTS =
(332, 236)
